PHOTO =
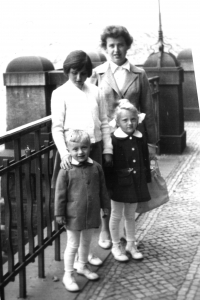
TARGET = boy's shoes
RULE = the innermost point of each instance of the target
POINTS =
(119, 253)
(132, 249)
(94, 260)
(85, 271)
(105, 244)
(70, 283)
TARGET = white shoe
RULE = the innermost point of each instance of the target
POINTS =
(94, 260)
(119, 253)
(106, 244)
(85, 271)
(70, 283)
(134, 251)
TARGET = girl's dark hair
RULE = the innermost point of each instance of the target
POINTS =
(77, 60)
(116, 32)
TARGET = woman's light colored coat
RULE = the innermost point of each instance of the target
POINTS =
(136, 89)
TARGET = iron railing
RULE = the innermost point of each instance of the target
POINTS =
(22, 168)
(30, 169)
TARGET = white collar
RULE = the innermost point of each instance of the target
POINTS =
(121, 134)
(114, 67)
(75, 88)
(76, 163)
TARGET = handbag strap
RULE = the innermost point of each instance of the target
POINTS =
(156, 166)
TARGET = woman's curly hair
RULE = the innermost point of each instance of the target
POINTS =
(115, 32)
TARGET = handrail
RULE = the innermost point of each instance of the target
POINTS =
(24, 129)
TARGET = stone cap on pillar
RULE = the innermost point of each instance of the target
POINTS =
(166, 66)
(185, 60)
(167, 60)
(97, 58)
(27, 71)
(29, 64)
(102, 57)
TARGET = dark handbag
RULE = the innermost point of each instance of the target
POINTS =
(157, 189)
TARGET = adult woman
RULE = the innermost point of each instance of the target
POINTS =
(118, 78)
(76, 105)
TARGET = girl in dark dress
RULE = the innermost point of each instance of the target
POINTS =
(127, 179)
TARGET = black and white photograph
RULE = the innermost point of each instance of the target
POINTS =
(99, 150)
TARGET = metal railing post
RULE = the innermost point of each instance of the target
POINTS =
(20, 219)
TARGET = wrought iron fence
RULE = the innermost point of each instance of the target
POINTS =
(29, 171)
(28, 206)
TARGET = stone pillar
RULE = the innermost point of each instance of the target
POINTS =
(172, 133)
(28, 92)
(190, 97)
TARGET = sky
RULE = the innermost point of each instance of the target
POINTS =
(32, 27)
(52, 28)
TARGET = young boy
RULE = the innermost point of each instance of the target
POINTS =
(80, 194)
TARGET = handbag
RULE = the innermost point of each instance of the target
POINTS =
(157, 190)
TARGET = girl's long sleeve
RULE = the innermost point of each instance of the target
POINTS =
(58, 109)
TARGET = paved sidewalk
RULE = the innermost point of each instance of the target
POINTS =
(169, 238)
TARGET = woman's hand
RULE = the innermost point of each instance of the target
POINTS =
(61, 220)
(66, 162)
(108, 160)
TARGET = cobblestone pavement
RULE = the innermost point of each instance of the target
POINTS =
(169, 238)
